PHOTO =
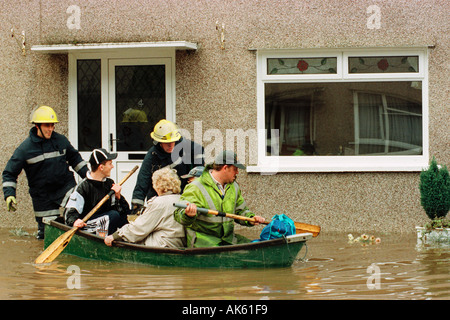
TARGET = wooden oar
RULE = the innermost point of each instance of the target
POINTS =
(53, 250)
(299, 226)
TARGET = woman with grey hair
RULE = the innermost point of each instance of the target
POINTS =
(156, 227)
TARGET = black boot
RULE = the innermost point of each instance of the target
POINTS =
(41, 228)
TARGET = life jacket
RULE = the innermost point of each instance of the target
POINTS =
(280, 226)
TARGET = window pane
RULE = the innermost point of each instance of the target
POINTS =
(89, 104)
(140, 104)
(302, 65)
(344, 118)
(383, 64)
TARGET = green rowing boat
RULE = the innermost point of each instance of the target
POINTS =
(264, 254)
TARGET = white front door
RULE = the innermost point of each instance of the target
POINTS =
(119, 101)
(139, 91)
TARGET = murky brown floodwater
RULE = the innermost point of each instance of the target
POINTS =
(334, 269)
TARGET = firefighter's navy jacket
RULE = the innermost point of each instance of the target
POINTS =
(46, 163)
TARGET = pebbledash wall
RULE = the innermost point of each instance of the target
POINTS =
(222, 84)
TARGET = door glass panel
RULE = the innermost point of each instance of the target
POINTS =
(140, 104)
(89, 104)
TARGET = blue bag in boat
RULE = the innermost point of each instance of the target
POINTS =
(280, 226)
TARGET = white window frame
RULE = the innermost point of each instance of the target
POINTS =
(273, 164)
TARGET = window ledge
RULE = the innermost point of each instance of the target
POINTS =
(318, 166)
(271, 170)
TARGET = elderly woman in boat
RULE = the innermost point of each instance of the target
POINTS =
(156, 226)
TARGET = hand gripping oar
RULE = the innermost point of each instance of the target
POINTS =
(299, 226)
(53, 250)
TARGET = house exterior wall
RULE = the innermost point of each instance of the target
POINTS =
(218, 87)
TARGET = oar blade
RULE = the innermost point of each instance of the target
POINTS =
(53, 250)
(309, 228)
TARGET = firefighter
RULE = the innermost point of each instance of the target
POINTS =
(170, 150)
(45, 156)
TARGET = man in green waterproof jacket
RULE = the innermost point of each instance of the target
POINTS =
(215, 189)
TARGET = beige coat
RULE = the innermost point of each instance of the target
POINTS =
(156, 227)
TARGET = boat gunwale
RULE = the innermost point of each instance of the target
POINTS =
(302, 237)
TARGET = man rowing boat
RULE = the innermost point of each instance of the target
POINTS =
(215, 189)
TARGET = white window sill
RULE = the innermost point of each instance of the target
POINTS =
(271, 170)
(340, 164)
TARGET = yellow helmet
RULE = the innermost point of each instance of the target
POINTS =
(165, 131)
(44, 114)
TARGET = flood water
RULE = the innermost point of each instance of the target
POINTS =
(329, 268)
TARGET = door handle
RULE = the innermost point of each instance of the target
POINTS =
(111, 142)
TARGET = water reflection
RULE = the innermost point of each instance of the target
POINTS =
(332, 269)
(434, 266)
